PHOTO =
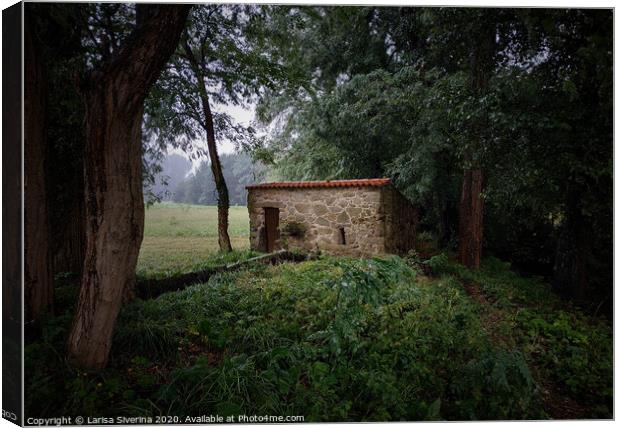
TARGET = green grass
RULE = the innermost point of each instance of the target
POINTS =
(336, 339)
(183, 238)
(180, 220)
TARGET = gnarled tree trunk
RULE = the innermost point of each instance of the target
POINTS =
(37, 267)
(114, 98)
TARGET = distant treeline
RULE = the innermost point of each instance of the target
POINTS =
(176, 183)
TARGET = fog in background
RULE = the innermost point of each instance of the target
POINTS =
(186, 180)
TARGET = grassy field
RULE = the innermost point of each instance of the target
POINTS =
(181, 237)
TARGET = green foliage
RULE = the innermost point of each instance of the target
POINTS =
(357, 92)
(358, 292)
(570, 349)
(359, 339)
(573, 352)
(508, 378)
(148, 339)
(292, 228)
(333, 340)
(222, 61)
(434, 91)
(439, 264)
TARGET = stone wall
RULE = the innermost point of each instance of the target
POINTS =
(343, 220)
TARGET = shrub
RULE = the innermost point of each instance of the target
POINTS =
(294, 229)
(439, 264)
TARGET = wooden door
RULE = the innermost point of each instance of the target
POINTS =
(272, 223)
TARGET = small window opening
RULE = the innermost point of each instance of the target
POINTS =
(343, 238)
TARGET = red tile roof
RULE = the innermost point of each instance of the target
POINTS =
(370, 182)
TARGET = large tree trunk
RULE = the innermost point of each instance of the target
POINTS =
(66, 204)
(471, 218)
(223, 202)
(37, 272)
(69, 238)
(65, 141)
(65, 186)
(114, 99)
(471, 206)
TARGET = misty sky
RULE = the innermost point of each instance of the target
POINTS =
(239, 114)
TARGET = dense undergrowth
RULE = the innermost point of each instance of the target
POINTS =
(570, 351)
(337, 340)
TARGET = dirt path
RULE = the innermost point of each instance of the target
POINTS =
(555, 401)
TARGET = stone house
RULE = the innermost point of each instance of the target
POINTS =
(346, 217)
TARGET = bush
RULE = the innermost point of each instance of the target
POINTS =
(294, 229)
(439, 264)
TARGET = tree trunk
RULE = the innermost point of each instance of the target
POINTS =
(472, 204)
(114, 98)
(66, 205)
(471, 218)
(570, 270)
(37, 268)
(69, 240)
(223, 202)
(65, 156)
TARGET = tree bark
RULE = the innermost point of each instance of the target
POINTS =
(65, 139)
(114, 98)
(223, 201)
(471, 218)
(69, 240)
(471, 206)
(65, 186)
(37, 268)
